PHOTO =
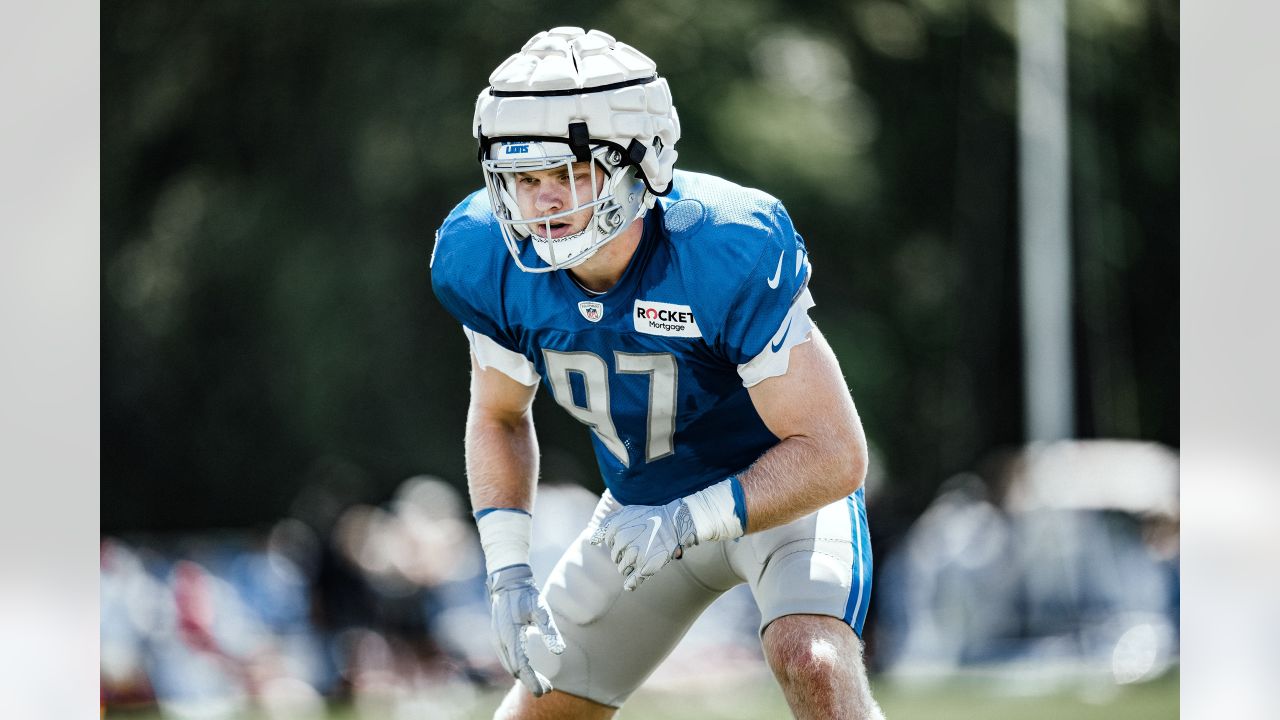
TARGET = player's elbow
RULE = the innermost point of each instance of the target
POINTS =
(849, 452)
(485, 418)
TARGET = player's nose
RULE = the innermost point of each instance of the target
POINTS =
(549, 199)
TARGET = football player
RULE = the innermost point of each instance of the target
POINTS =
(668, 312)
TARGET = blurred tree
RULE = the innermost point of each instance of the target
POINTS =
(273, 174)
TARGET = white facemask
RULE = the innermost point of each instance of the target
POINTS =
(618, 203)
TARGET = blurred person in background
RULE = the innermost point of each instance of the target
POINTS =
(129, 599)
(210, 654)
(668, 312)
(417, 559)
(1061, 555)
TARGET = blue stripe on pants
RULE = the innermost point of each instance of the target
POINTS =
(855, 610)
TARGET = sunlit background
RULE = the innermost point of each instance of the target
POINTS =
(987, 188)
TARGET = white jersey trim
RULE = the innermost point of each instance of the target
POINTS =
(775, 358)
(489, 354)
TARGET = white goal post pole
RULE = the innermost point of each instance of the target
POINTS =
(1044, 209)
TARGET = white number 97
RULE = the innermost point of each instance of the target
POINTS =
(661, 417)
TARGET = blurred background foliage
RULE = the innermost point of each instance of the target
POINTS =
(273, 174)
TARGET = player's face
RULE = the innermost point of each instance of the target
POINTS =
(545, 192)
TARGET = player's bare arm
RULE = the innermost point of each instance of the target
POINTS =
(822, 455)
(502, 467)
(502, 450)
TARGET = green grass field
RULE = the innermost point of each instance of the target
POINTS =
(966, 699)
(969, 698)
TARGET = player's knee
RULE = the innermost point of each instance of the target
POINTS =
(818, 662)
(520, 705)
(803, 655)
(813, 663)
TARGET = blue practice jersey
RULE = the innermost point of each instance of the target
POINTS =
(652, 365)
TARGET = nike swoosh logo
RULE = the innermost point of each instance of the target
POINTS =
(655, 524)
(776, 346)
(773, 281)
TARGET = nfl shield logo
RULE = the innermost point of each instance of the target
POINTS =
(591, 310)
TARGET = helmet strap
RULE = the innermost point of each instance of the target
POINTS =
(580, 141)
(635, 152)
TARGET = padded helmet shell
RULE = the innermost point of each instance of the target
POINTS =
(565, 76)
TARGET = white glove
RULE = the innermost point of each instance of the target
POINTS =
(642, 539)
(515, 605)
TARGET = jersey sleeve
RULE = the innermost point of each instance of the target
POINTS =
(775, 358)
(772, 290)
(466, 274)
(489, 354)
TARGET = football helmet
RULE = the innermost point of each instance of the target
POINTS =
(572, 97)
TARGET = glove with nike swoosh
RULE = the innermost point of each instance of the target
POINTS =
(642, 539)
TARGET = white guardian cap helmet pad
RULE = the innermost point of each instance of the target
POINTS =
(574, 96)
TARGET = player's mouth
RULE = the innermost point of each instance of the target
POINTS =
(557, 229)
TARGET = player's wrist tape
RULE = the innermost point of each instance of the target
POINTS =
(504, 535)
(720, 511)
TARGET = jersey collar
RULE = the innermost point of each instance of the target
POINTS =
(625, 286)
